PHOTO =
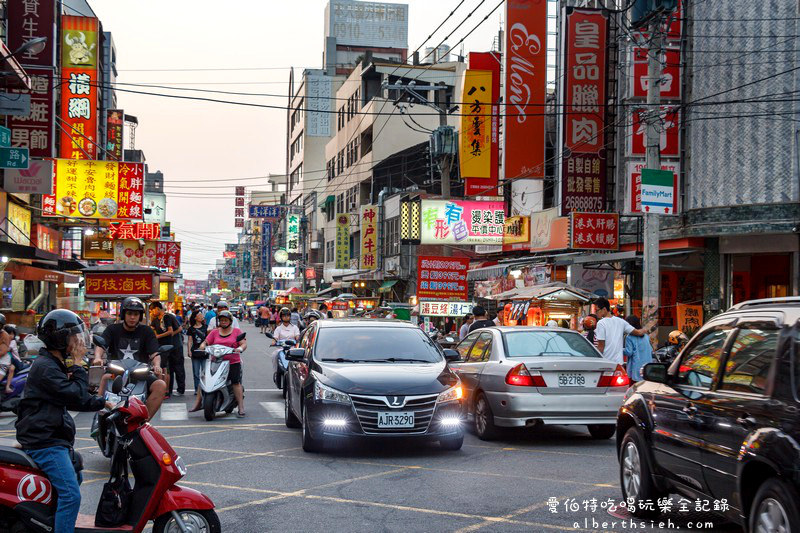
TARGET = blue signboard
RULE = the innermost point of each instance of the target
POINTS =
(266, 245)
(265, 211)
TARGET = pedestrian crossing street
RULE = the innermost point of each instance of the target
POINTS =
(170, 412)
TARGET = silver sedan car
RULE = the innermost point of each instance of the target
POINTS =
(529, 376)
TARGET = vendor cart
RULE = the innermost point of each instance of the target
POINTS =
(536, 305)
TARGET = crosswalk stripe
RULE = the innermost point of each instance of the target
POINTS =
(175, 411)
(73, 414)
(273, 408)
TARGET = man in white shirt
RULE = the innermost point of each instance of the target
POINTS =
(610, 332)
(221, 306)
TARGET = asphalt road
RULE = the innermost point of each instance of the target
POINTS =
(260, 479)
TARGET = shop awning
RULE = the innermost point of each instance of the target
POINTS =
(328, 201)
(386, 286)
(22, 251)
(555, 291)
(29, 273)
(484, 273)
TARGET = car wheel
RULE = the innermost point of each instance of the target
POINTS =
(636, 477)
(484, 419)
(310, 444)
(602, 431)
(291, 419)
(774, 508)
(452, 444)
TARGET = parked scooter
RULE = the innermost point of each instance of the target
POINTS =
(215, 387)
(134, 374)
(280, 360)
(9, 402)
(28, 502)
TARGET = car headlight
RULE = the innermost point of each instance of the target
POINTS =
(450, 395)
(323, 392)
(180, 465)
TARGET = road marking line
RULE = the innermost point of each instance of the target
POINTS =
(554, 452)
(174, 411)
(273, 408)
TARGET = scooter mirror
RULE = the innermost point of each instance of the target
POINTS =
(240, 338)
(99, 341)
(116, 387)
(269, 335)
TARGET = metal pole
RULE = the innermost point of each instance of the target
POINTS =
(651, 273)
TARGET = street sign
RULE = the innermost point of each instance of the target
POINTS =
(14, 104)
(265, 211)
(5, 137)
(658, 191)
(14, 158)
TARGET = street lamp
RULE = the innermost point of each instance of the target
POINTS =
(34, 46)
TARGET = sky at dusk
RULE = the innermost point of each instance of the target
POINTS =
(191, 141)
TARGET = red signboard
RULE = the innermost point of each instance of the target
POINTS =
(594, 231)
(670, 133)
(442, 278)
(46, 239)
(481, 186)
(28, 20)
(635, 182)
(229, 255)
(670, 78)
(168, 254)
(101, 284)
(148, 231)
(35, 131)
(526, 88)
(78, 123)
(583, 183)
(114, 124)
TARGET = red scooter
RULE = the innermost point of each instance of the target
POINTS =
(27, 501)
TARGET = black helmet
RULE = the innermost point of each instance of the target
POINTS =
(2, 320)
(224, 314)
(284, 311)
(131, 304)
(11, 329)
(313, 313)
(57, 326)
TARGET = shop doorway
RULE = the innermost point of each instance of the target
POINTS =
(760, 276)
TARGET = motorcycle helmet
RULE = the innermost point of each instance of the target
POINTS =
(11, 329)
(589, 323)
(677, 337)
(285, 311)
(224, 314)
(2, 320)
(58, 326)
(312, 314)
(132, 304)
(222, 305)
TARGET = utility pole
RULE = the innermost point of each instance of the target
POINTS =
(651, 274)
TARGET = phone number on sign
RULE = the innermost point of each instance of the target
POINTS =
(583, 203)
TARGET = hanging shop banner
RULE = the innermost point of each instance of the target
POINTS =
(18, 224)
(442, 278)
(690, 318)
(343, 240)
(445, 308)
(161, 254)
(462, 222)
(122, 284)
(594, 231)
(229, 255)
(148, 231)
(114, 122)
(670, 133)
(264, 211)
(634, 201)
(36, 130)
(583, 167)
(28, 20)
(96, 189)
(475, 137)
(47, 239)
(488, 61)
(36, 179)
(517, 230)
(293, 233)
(98, 246)
(549, 231)
(369, 237)
(670, 77)
(78, 124)
(525, 88)
(266, 245)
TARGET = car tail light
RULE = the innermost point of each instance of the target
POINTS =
(617, 378)
(520, 377)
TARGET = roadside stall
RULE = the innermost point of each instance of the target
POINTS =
(444, 317)
(535, 306)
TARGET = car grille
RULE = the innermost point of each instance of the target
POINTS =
(367, 408)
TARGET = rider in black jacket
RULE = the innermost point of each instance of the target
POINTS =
(45, 429)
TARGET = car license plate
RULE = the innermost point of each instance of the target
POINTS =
(396, 420)
(571, 380)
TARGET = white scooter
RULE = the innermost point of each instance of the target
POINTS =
(215, 387)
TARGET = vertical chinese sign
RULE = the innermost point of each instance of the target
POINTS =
(369, 237)
(114, 120)
(583, 165)
(488, 61)
(79, 49)
(29, 20)
(526, 88)
(475, 155)
(293, 233)
(342, 240)
(266, 245)
(238, 210)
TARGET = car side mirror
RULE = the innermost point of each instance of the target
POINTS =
(656, 372)
(241, 337)
(296, 354)
(99, 341)
(116, 387)
(451, 356)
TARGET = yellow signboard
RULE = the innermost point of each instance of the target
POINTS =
(19, 224)
(517, 230)
(690, 318)
(163, 291)
(475, 154)
(369, 237)
(343, 240)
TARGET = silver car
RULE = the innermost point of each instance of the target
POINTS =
(528, 376)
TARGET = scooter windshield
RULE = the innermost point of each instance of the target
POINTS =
(218, 350)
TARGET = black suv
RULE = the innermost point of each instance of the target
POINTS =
(722, 422)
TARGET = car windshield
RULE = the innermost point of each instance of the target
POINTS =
(548, 343)
(375, 344)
